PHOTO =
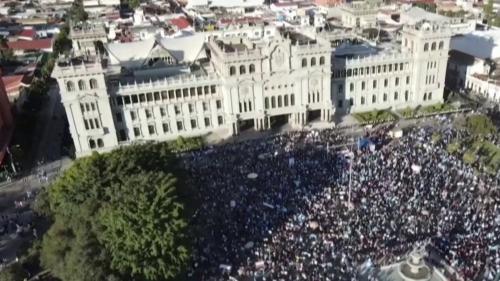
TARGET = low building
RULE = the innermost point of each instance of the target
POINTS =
(474, 64)
(24, 47)
(6, 122)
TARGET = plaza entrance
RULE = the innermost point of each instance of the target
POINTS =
(279, 121)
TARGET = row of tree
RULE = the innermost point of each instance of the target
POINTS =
(117, 216)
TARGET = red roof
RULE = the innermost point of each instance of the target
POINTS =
(37, 44)
(181, 23)
(29, 33)
(12, 82)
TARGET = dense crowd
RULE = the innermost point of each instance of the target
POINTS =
(279, 207)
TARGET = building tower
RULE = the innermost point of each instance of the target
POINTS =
(85, 98)
(87, 37)
(427, 43)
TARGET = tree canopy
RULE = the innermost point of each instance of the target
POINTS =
(117, 216)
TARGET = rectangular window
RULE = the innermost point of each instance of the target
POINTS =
(149, 115)
(386, 82)
(191, 108)
(156, 96)
(407, 80)
(200, 91)
(207, 122)
(395, 67)
(82, 107)
(151, 129)
(165, 127)
(396, 82)
(118, 116)
(149, 97)
(374, 84)
(193, 124)
(137, 131)
(133, 115)
(179, 126)
(92, 105)
(212, 89)
(218, 103)
(192, 92)
(171, 94)
(163, 112)
(122, 136)
(96, 121)
(119, 100)
(205, 106)
(390, 67)
(178, 93)
(135, 99)
(385, 68)
(401, 66)
(185, 93)
(86, 124)
(142, 97)
(220, 120)
(206, 90)
(127, 99)
(164, 95)
(177, 109)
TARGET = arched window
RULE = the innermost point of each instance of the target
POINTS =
(93, 84)
(242, 69)
(273, 102)
(280, 101)
(266, 102)
(304, 62)
(251, 68)
(321, 60)
(362, 100)
(406, 96)
(81, 85)
(441, 45)
(433, 46)
(100, 143)
(232, 71)
(396, 96)
(70, 86)
(285, 100)
(425, 96)
(313, 61)
(91, 144)
(292, 100)
(429, 97)
(374, 99)
(385, 97)
(426, 47)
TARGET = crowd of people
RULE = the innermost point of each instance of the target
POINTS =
(311, 206)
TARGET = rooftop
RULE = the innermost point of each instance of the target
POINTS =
(37, 44)
(479, 44)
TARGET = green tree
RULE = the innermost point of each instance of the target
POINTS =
(134, 3)
(13, 272)
(488, 11)
(90, 205)
(144, 228)
(77, 12)
(62, 43)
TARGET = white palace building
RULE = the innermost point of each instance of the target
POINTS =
(225, 81)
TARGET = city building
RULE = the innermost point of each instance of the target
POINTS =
(6, 122)
(228, 80)
(474, 64)
(397, 75)
(174, 87)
